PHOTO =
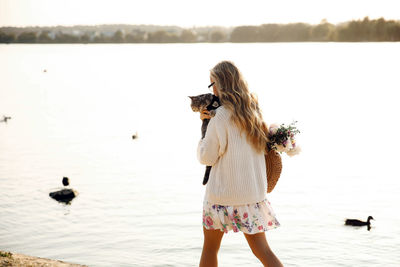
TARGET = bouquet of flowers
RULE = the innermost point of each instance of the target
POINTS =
(281, 139)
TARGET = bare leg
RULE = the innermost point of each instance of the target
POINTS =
(259, 246)
(212, 242)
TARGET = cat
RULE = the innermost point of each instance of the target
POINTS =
(199, 103)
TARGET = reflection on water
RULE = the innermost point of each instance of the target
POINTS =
(140, 199)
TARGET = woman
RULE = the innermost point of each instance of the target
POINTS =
(234, 146)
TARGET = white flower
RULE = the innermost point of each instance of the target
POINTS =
(293, 151)
(288, 144)
(273, 128)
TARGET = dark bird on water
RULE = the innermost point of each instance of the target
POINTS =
(355, 222)
(5, 119)
(65, 195)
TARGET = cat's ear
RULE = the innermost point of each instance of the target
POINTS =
(191, 97)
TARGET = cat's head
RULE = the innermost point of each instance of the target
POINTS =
(200, 102)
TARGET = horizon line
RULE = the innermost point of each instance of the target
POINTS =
(194, 26)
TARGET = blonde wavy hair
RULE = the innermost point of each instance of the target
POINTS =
(234, 95)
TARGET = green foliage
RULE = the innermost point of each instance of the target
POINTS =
(369, 31)
(27, 37)
(6, 38)
(188, 36)
(270, 32)
(44, 37)
(354, 31)
(322, 32)
(133, 38)
(244, 34)
(218, 37)
(85, 38)
(136, 36)
(100, 38)
(5, 254)
(67, 38)
(162, 37)
(364, 30)
(118, 37)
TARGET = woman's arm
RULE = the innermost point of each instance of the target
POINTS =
(213, 145)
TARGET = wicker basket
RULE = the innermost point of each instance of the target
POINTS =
(273, 162)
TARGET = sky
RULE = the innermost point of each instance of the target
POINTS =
(190, 13)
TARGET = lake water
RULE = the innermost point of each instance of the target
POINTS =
(140, 201)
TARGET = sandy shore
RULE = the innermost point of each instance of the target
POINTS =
(15, 259)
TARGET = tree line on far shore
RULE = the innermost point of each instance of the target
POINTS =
(364, 30)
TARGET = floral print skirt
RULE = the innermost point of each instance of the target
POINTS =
(250, 218)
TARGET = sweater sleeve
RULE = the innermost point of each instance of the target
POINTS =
(214, 143)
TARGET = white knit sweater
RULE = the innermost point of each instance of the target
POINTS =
(238, 174)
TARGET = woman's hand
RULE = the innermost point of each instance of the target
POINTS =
(205, 114)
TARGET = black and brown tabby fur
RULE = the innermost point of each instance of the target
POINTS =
(199, 103)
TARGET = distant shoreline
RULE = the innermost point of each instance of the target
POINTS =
(16, 259)
(365, 30)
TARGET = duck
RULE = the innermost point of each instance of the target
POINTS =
(355, 222)
(65, 195)
(5, 119)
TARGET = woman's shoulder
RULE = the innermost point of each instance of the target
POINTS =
(222, 113)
